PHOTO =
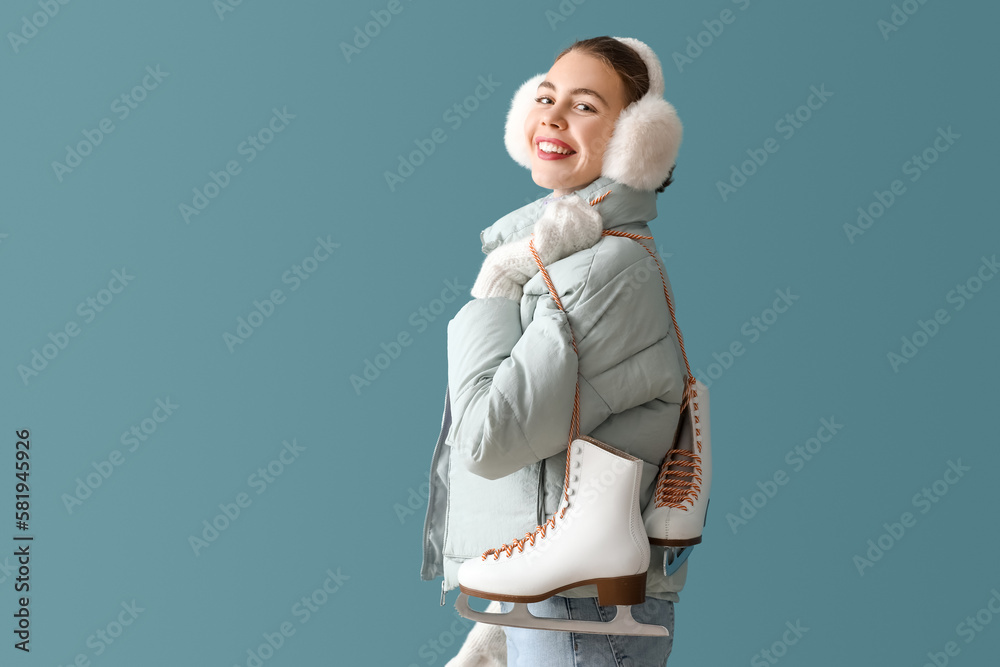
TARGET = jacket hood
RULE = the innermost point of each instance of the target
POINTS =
(623, 206)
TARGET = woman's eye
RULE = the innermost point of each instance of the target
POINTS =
(543, 99)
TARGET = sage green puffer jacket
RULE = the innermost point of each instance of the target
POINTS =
(499, 465)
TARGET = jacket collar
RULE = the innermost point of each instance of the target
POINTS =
(623, 206)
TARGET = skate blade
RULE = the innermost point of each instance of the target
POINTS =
(674, 557)
(520, 617)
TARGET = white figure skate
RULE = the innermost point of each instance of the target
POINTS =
(595, 537)
(675, 516)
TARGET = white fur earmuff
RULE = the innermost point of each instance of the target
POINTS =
(646, 137)
(520, 106)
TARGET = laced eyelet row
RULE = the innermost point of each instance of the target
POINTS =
(529, 538)
(677, 487)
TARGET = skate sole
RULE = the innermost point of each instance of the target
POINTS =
(627, 590)
(661, 542)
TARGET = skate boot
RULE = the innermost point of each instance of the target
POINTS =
(675, 516)
(595, 537)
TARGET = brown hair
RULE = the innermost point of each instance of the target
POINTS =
(627, 64)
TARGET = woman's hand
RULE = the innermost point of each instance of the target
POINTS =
(505, 270)
(567, 226)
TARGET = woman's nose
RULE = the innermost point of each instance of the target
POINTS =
(553, 117)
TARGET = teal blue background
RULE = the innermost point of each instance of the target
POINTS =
(342, 504)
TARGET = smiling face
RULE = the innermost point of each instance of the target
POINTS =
(571, 122)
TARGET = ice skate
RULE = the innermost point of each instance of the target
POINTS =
(595, 537)
(675, 516)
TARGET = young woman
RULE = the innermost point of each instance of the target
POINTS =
(596, 131)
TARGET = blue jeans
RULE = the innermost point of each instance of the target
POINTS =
(550, 648)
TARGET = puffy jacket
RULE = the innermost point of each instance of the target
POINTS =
(499, 464)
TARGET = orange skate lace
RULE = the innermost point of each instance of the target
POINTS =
(676, 487)
(666, 481)
(574, 429)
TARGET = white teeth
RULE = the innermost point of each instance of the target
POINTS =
(549, 147)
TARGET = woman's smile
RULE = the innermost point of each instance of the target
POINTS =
(553, 149)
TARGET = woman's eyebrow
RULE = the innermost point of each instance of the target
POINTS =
(584, 91)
